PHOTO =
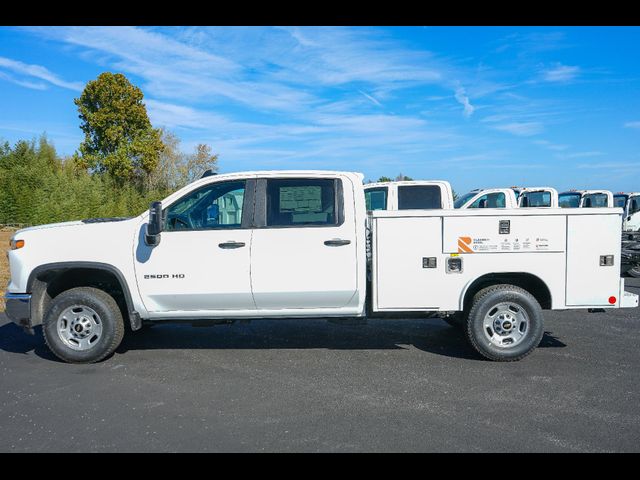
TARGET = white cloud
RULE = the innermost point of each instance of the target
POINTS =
(35, 71)
(610, 166)
(551, 146)
(561, 73)
(463, 99)
(370, 98)
(632, 125)
(580, 154)
(270, 69)
(521, 129)
(23, 83)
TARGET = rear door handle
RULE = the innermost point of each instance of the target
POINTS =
(336, 242)
(228, 245)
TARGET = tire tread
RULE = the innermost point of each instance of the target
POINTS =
(115, 311)
(477, 301)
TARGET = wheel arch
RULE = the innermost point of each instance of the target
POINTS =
(48, 280)
(527, 281)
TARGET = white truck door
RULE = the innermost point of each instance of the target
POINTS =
(632, 220)
(303, 253)
(202, 261)
(589, 238)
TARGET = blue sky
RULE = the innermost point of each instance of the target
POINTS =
(477, 106)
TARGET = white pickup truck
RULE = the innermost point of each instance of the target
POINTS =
(585, 199)
(630, 203)
(530, 197)
(293, 244)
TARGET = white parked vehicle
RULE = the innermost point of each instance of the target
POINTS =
(408, 195)
(585, 199)
(630, 203)
(293, 244)
(536, 197)
(488, 198)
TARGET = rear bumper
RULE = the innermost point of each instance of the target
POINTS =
(629, 300)
(18, 308)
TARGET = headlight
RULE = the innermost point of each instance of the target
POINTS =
(16, 244)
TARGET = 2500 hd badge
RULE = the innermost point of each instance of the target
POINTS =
(164, 275)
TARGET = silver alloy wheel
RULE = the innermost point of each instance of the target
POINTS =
(79, 327)
(506, 324)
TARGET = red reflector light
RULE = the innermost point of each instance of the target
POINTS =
(612, 300)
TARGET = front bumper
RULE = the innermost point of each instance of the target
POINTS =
(18, 308)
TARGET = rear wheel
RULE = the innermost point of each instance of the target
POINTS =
(505, 323)
(83, 325)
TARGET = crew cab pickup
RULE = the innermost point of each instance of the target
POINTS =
(293, 244)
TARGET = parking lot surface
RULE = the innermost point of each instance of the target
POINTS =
(309, 385)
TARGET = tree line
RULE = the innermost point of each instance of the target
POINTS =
(121, 166)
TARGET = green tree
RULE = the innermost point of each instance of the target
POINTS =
(118, 136)
(385, 179)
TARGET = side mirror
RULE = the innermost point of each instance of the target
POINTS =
(154, 226)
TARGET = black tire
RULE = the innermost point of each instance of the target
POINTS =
(110, 319)
(635, 271)
(484, 302)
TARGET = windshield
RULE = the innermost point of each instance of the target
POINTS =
(464, 199)
(569, 200)
(620, 200)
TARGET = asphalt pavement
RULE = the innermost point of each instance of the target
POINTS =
(309, 385)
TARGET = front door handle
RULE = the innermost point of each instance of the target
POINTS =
(228, 245)
(336, 242)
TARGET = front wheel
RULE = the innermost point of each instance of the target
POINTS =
(83, 325)
(505, 323)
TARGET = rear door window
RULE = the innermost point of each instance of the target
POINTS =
(418, 197)
(300, 202)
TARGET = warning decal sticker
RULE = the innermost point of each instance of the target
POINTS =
(464, 245)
